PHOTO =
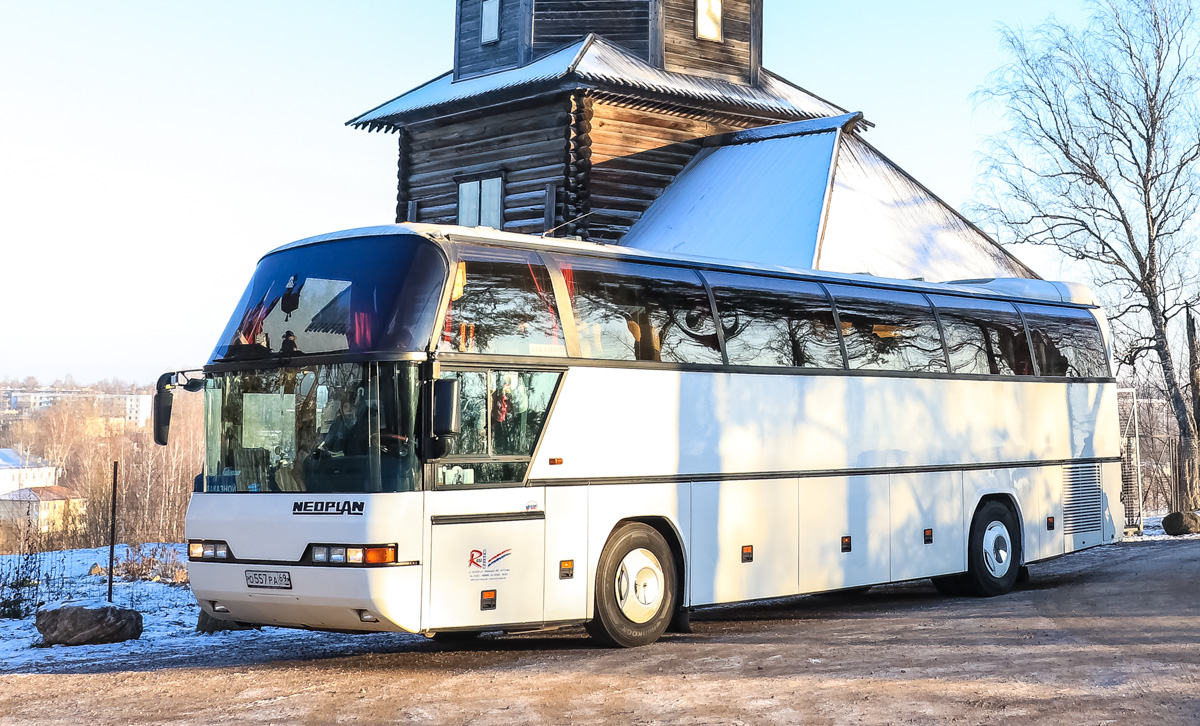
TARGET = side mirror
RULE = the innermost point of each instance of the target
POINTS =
(162, 408)
(446, 419)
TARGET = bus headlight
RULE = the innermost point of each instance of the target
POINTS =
(352, 555)
(208, 550)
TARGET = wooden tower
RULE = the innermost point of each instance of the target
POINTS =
(576, 114)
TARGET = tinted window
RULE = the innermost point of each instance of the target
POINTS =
(984, 336)
(628, 311)
(502, 417)
(888, 330)
(503, 303)
(1066, 342)
(769, 322)
(365, 294)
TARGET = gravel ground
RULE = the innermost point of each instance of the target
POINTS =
(1110, 635)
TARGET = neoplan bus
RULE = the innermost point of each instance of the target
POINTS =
(448, 431)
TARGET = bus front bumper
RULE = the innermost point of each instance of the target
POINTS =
(370, 599)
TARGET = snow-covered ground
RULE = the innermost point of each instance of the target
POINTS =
(168, 617)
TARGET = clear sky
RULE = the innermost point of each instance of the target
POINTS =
(151, 152)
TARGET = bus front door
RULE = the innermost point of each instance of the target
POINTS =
(486, 558)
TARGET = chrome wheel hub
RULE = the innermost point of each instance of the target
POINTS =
(639, 585)
(997, 549)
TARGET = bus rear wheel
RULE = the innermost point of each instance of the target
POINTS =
(993, 551)
(635, 587)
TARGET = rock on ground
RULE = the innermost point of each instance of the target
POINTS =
(75, 625)
(1177, 523)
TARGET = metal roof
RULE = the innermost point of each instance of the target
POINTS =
(814, 195)
(13, 459)
(43, 494)
(594, 62)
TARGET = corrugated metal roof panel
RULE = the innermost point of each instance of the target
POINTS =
(760, 202)
(883, 222)
(606, 62)
(595, 62)
(444, 89)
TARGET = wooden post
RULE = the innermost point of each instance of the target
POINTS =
(112, 535)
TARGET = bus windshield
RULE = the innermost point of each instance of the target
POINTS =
(353, 295)
(324, 428)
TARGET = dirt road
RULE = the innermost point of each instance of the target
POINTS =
(1107, 636)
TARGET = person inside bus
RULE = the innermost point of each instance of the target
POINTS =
(342, 428)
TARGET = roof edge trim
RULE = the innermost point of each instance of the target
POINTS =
(785, 130)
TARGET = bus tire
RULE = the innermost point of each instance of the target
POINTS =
(993, 551)
(635, 587)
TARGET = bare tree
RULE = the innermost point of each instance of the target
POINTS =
(1098, 162)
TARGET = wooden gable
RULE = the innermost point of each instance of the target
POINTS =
(664, 33)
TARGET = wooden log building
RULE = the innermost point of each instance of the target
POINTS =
(643, 123)
(575, 115)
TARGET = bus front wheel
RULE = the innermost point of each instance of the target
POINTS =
(993, 552)
(635, 587)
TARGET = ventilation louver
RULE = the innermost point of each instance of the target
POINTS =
(1083, 501)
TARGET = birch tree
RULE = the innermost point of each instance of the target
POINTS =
(1099, 162)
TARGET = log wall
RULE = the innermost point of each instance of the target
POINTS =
(731, 59)
(470, 57)
(635, 154)
(559, 22)
(528, 146)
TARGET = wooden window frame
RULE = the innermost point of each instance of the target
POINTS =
(479, 178)
(483, 40)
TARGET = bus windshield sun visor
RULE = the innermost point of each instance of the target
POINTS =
(369, 294)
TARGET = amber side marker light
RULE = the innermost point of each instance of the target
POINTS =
(379, 555)
(555, 462)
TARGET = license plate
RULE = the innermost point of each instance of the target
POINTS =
(269, 580)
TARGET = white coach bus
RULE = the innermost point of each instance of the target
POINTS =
(447, 431)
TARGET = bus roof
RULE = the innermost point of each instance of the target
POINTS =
(1069, 293)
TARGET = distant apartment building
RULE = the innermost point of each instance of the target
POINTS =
(40, 509)
(129, 408)
(18, 471)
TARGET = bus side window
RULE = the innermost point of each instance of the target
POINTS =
(503, 303)
(776, 322)
(984, 337)
(630, 311)
(1066, 342)
(888, 330)
(503, 413)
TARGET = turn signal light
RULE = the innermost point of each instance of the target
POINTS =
(379, 555)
